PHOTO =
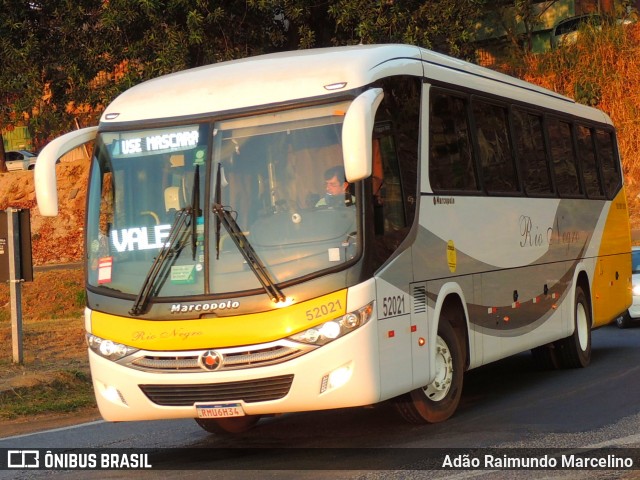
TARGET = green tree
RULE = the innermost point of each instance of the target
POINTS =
(64, 60)
(441, 25)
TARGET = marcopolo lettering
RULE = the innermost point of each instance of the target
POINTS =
(204, 307)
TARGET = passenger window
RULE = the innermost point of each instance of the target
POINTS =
(563, 157)
(451, 164)
(494, 149)
(608, 161)
(532, 155)
(587, 159)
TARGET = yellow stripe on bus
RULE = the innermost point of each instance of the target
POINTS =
(218, 332)
(612, 277)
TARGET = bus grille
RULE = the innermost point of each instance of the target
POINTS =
(232, 358)
(249, 391)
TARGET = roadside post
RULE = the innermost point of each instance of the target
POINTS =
(16, 266)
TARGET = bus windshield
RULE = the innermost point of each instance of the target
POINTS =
(161, 202)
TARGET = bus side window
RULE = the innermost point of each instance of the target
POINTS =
(610, 171)
(394, 182)
(587, 159)
(531, 152)
(563, 157)
(388, 202)
(451, 165)
(494, 149)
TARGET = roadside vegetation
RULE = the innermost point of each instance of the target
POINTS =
(54, 376)
(601, 70)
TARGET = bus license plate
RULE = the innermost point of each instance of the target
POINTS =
(220, 410)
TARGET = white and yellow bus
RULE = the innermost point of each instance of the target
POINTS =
(483, 216)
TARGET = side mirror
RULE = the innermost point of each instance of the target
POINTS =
(45, 171)
(357, 134)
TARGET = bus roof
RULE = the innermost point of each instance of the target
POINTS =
(288, 76)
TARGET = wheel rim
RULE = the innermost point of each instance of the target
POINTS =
(582, 325)
(440, 386)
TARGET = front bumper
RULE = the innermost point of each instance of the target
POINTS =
(292, 386)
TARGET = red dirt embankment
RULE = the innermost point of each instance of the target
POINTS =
(54, 239)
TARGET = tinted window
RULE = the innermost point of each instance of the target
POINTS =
(587, 159)
(395, 164)
(608, 161)
(562, 155)
(451, 165)
(494, 150)
(532, 155)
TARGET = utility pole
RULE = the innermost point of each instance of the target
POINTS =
(15, 284)
(16, 266)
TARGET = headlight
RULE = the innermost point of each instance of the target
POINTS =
(636, 290)
(108, 349)
(339, 327)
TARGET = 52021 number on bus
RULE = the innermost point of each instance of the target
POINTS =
(393, 305)
(323, 310)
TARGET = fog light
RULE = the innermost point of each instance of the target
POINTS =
(339, 377)
(112, 394)
(336, 378)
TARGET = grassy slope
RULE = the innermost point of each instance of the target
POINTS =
(54, 376)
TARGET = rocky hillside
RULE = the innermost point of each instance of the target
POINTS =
(54, 239)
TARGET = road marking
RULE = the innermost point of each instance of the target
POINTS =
(53, 430)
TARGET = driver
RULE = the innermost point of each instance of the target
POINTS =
(336, 189)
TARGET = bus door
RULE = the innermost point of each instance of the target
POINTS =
(403, 330)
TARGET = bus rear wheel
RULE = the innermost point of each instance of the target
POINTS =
(575, 350)
(437, 401)
(228, 425)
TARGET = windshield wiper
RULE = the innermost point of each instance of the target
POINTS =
(224, 217)
(170, 249)
(176, 241)
(195, 211)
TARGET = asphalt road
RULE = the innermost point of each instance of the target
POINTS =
(505, 405)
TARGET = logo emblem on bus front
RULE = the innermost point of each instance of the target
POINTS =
(210, 360)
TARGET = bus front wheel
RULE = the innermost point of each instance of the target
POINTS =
(228, 425)
(437, 401)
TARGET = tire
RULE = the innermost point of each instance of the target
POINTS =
(439, 400)
(228, 425)
(623, 321)
(575, 350)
